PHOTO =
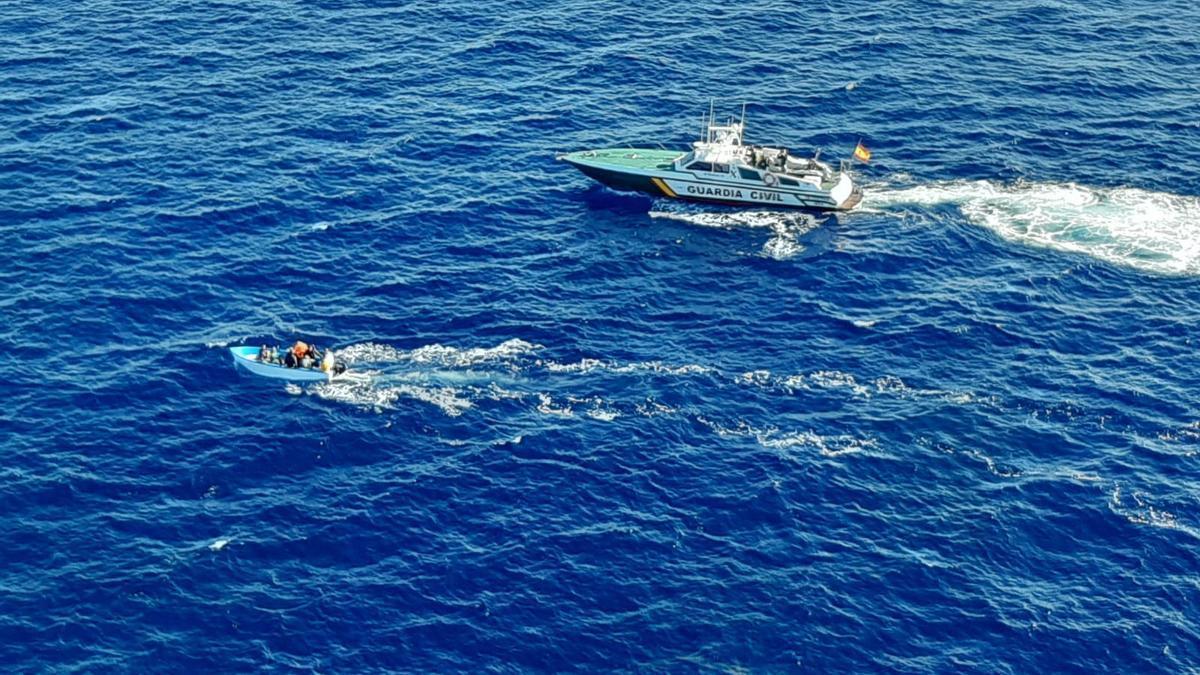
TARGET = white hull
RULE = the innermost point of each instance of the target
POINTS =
(689, 186)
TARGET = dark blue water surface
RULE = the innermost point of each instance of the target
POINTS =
(954, 430)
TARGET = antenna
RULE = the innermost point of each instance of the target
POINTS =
(709, 120)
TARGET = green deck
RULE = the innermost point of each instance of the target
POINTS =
(625, 158)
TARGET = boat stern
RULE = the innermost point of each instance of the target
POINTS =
(845, 194)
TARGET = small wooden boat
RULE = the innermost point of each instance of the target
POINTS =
(247, 357)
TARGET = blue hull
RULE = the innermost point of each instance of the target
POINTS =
(247, 357)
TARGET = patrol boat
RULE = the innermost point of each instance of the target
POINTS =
(721, 168)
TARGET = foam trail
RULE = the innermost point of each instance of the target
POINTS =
(1142, 512)
(786, 226)
(436, 354)
(449, 378)
(444, 378)
(826, 445)
(1152, 231)
(456, 380)
(450, 401)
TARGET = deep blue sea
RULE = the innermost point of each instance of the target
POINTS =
(954, 430)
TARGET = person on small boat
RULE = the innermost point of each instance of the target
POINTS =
(267, 354)
(304, 355)
(301, 355)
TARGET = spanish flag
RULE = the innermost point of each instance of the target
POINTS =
(861, 152)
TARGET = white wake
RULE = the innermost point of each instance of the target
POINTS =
(786, 227)
(1152, 231)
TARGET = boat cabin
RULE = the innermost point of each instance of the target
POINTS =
(721, 151)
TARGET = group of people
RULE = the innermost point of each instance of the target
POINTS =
(302, 355)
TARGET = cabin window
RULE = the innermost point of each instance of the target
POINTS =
(701, 166)
(721, 168)
(748, 174)
(788, 181)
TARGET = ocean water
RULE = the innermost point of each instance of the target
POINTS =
(953, 430)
